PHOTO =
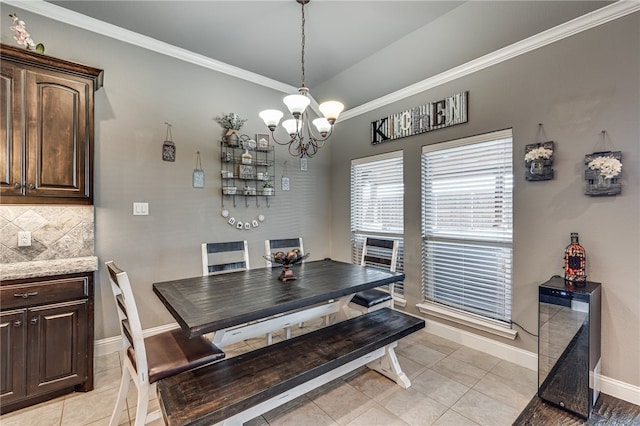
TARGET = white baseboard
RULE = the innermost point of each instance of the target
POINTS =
(527, 359)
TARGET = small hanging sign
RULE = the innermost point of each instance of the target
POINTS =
(198, 173)
(168, 147)
(285, 178)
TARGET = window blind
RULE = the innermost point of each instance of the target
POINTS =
(377, 203)
(467, 224)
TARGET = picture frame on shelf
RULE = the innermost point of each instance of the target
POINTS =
(245, 171)
(262, 141)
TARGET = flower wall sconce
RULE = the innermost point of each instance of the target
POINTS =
(539, 159)
(602, 173)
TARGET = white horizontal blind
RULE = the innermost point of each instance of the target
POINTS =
(467, 224)
(377, 203)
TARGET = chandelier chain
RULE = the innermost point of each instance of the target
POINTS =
(302, 43)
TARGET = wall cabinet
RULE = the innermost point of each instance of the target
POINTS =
(46, 338)
(47, 128)
(244, 177)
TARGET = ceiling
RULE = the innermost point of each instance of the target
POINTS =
(355, 51)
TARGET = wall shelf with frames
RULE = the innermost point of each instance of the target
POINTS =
(248, 173)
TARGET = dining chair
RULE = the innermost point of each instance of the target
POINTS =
(284, 244)
(220, 258)
(378, 253)
(145, 360)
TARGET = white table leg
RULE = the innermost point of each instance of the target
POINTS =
(389, 366)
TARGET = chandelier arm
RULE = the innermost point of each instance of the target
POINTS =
(273, 136)
(314, 137)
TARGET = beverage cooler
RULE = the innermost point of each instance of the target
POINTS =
(569, 344)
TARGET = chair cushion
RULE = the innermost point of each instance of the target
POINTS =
(172, 352)
(369, 298)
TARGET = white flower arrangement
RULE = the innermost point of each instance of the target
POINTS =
(22, 36)
(231, 121)
(608, 166)
(540, 153)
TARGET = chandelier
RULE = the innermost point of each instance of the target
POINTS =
(303, 141)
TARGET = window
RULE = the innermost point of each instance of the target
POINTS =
(467, 223)
(377, 203)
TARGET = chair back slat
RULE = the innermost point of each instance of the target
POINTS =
(130, 326)
(380, 253)
(224, 257)
(283, 244)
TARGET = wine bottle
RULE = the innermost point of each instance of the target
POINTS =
(575, 262)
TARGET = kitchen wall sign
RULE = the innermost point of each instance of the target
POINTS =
(446, 112)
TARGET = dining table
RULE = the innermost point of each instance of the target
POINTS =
(239, 305)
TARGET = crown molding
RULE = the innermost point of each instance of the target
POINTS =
(585, 22)
(562, 31)
(87, 23)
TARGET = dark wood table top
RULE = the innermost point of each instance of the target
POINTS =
(208, 303)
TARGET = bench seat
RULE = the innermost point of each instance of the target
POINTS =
(240, 388)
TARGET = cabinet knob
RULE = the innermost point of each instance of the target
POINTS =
(17, 323)
(17, 185)
(32, 186)
(34, 320)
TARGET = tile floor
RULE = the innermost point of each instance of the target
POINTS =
(451, 385)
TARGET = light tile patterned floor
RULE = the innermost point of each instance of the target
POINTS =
(451, 385)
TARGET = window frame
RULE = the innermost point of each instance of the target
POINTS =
(395, 231)
(493, 233)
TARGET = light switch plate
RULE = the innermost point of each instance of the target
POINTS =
(140, 209)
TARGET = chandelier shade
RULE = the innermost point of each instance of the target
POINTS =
(303, 141)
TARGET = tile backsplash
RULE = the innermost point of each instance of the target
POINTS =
(57, 232)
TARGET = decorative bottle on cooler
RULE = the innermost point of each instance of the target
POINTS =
(575, 262)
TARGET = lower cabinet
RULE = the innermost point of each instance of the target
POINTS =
(46, 339)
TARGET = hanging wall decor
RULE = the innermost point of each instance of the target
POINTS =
(603, 170)
(602, 173)
(538, 159)
(168, 147)
(198, 173)
(286, 184)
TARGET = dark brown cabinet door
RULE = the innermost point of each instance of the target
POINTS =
(56, 135)
(11, 131)
(47, 128)
(57, 346)
(13, 340)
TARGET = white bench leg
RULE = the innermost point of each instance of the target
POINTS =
(389, 366)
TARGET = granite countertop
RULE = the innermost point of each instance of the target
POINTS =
(43, 268)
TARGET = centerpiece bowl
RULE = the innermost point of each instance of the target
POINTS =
(287, 260)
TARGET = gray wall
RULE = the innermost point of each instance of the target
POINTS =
(142, 90)
(576, 87)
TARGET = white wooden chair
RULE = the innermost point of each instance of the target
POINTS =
(379, 253)
(220, 258)
(225, 257)
(284, 245)
(147, 360)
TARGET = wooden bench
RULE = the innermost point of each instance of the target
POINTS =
(235, 390)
